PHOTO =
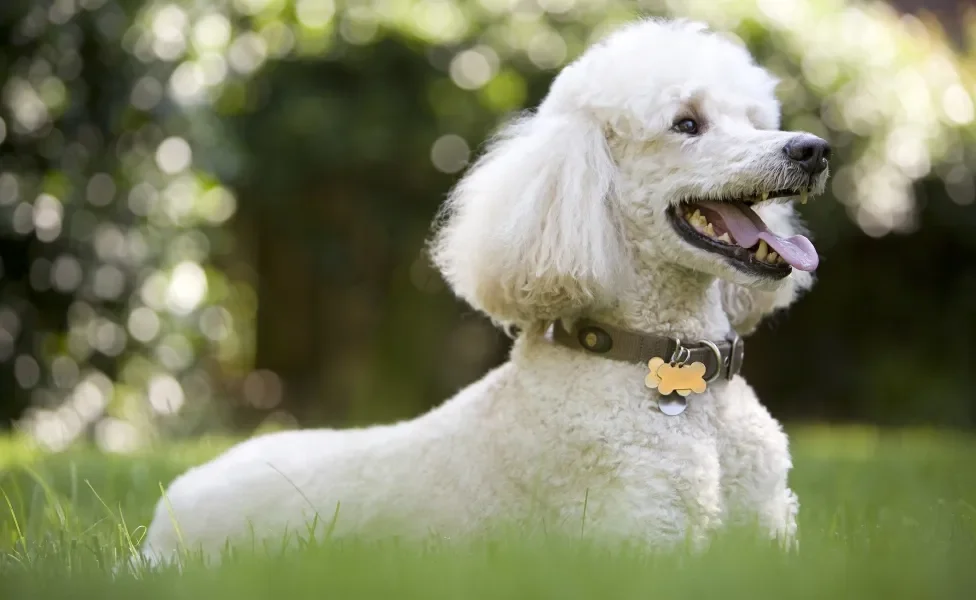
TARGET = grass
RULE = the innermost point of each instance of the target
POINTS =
(884, 515)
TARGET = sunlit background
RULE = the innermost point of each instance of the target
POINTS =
(212, 213)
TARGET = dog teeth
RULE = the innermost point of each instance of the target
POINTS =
(780, 260)
(762, 251)
(803, 196)
(700, 223)
(771, 257)
(697, 220)
(764, 196)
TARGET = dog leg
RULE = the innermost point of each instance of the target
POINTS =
(755, 457)
(670, 496)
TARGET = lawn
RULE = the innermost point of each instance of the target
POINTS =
(884, 515)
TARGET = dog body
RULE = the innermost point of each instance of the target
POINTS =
(553, 440)
(573, 211)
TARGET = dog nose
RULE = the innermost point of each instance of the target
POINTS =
(809, 152)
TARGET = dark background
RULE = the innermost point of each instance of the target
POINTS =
(212, 215)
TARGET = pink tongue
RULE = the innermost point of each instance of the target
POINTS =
(746, 228)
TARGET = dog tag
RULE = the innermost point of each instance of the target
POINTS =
(672, 404)
(673, 382)
(681, 378)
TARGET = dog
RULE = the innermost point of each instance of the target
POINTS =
(631, 229)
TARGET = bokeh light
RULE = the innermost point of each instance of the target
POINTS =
(450, 153)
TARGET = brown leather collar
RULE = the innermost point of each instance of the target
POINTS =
(722, 359)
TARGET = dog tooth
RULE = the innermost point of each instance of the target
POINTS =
(762, 251)
(803, 196)
(725, 238)
(696, 215)
(765, 196)
(780, 260)
(710, 230)
(771, 257)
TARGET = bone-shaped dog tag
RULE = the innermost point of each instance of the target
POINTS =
(673, 382)
(667, 377)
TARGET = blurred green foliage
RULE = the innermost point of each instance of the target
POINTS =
(214, 212)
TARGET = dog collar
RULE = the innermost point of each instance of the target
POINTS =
(676, 368)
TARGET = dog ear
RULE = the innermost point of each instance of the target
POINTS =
(747, 307)
(529, 234)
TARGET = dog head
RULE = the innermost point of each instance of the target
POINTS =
(659, 144)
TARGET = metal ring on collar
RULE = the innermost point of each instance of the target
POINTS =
(681, 355)
(718, 359)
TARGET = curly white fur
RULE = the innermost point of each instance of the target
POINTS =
(563, 216)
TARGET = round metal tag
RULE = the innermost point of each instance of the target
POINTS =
(672, 404)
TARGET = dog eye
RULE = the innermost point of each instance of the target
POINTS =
(686, 126)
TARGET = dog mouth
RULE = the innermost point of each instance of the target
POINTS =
(731, 229)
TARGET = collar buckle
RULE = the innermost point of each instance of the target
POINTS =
(736, 354)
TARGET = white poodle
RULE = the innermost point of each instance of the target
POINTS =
(630, 217)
